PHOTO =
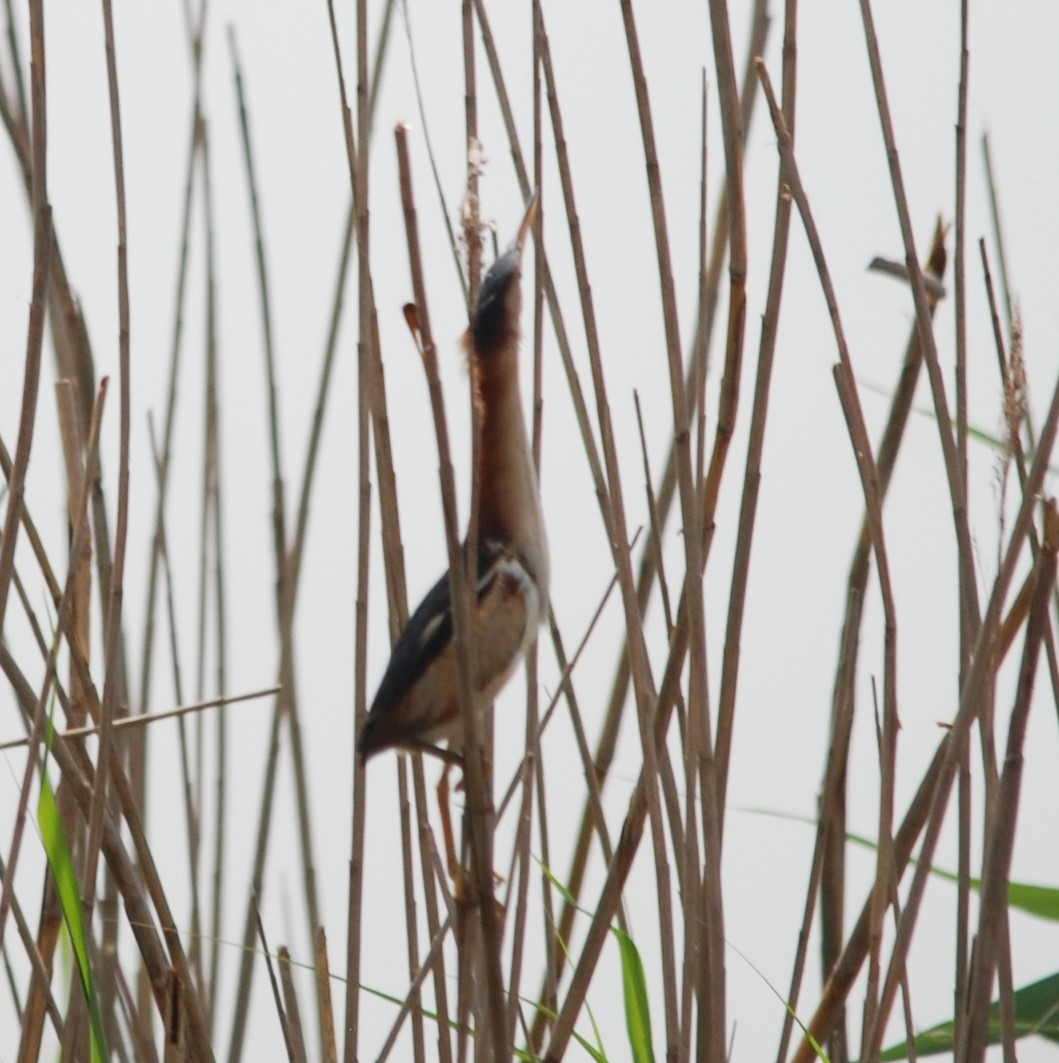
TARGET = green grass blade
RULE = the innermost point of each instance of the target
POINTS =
(1036, 1012)
(637, 1008)
(1041, 901)
(62, 868)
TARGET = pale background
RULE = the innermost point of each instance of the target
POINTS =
(810, 502)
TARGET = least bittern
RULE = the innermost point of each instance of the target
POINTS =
(418, 701)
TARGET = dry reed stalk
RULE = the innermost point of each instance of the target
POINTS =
(213, 534)
(322, 971)
(873, 504)
(40, 998)
(191, 806)
(758, 418)
(114, 682)
(699, 732)
(277, 998)
(39, 717)
(829, 848)
(290, 1006)
(998, 229)
(607, 740)
(533, 769)
(1000, 839)
(926, 337)
(411, 921)
(42, 248)
(479, 803)
(359, 181)
(51, 916)
(137, 745)
(943, 767)
(127, 722)
(286, 595)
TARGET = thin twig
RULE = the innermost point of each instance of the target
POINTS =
(150, 717)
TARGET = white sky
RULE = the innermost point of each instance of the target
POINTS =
(810, 501)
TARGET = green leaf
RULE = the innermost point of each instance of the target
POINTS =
(62, 868)
(637, 1008)
(1036, 1012)
(1041, 901)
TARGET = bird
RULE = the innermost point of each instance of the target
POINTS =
(417, 705)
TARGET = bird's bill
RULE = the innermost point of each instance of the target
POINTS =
(527, 220)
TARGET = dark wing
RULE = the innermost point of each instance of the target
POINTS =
(428, 633)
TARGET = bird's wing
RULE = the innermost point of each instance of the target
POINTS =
(430, 630)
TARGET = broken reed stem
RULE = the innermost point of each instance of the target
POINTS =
(290, 1006)
(322, 971)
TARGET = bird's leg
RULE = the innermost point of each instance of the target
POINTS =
(455, 870)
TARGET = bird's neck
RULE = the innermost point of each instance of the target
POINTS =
(508, 504)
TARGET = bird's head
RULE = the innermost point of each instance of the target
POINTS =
(494, 325)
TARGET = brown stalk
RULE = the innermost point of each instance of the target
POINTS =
(359, 181)
(957, 488)
(411, 921)
(413, 989)
(322, 971)
(479, 804)
(212, 504)
(191, 807)
(534, 767)
(1019, 456)
(758, 418)
(284, 1021)
(286, 591)
(40, 996)
(998, 229)
(943, 768)
(42, 247)
(137, 746)
(143, 719)
(829, 849)
(136, 884)
(873, 504)
(1000, 838)
(607, 740)
(290, 1006)
(39, 716)
(699, 731)
(959, 270)
(51, 915)
(371, 397)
